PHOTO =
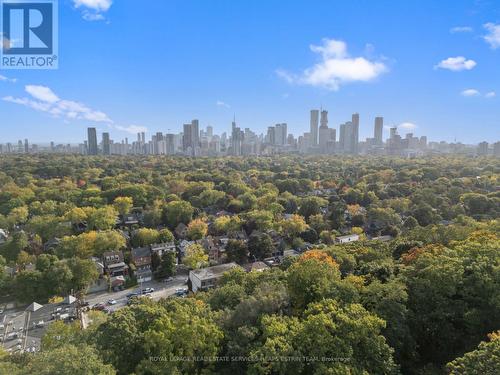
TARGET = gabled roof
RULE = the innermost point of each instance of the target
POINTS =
(34, 307)
(141, 252)
(69, 300)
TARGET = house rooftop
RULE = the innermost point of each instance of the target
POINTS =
(141, 252)
(213, 272)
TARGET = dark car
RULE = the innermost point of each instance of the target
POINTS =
(99, 307)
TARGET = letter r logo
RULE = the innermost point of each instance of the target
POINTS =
(27, 28)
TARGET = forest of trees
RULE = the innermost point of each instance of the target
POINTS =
(427, 302)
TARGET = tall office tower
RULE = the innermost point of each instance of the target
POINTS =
(347, 145)
(210, 132)
(236, 139)
(26, 146)
(377, 133)
(143, 138)
(482, 149)
(170, 144)
(92, 141)
(187, 139)
(280, 134)
(324, 119)
(271, 135)
(314, 127)
(423, 142)
(342, 137)
(195, 134)
(20, 147)
(393, 133)
(496, 149)
(139, 137)
(355, 133)
(324, 132)
(105, 144)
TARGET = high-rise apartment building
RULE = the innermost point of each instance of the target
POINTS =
(355, 134)
(314, 122)
(92, 141)
(378, 130)
(106, 144)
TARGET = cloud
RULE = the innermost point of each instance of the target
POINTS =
(6, 79)
(43, 99)
(407, 126)
(89, 16)
(493, 36)
(132, 129)
(335, 69)
(97, 5)
(456, 64)
(42, 93)
(93, 9)
(461, 29)
(490, 94)
(470, 92)
(220, 103)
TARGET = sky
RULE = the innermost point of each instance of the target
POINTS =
(429, 67)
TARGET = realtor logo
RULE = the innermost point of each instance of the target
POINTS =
(29, 34)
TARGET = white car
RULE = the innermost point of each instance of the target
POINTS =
(112, 302)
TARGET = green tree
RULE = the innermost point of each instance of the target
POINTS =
(102, 219)
(195, 257)
(237, 251)
(188, 330)
(484, 360)
(68, 360)
(123, 205)
(260, 246)
(167, 267)
(311, 279)
(177, 212)
(197, 229)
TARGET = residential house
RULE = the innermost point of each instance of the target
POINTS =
(141, 257)
(183, 245)
(101, 284)
(162, 248)
(385, 238)
(3, 236)
(206, 278)
(51, 245)
(181, 231)
(348, 238)
(212, 248)
(256, 267)
(114, 264)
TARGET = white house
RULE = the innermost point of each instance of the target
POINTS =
(347, 238)
(3, 236)
(206, 278)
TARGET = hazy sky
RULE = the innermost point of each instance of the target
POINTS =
(431, 67)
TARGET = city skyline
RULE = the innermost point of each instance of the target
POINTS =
(291, 60)
(321, 139)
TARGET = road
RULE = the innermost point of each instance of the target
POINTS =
(162, 290)
(29, 336)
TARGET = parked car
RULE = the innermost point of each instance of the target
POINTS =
(148, 290)
(112, 302)
(180, 292)
(168, 279)
(38, 324)
(134, 294)
(98, 306)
